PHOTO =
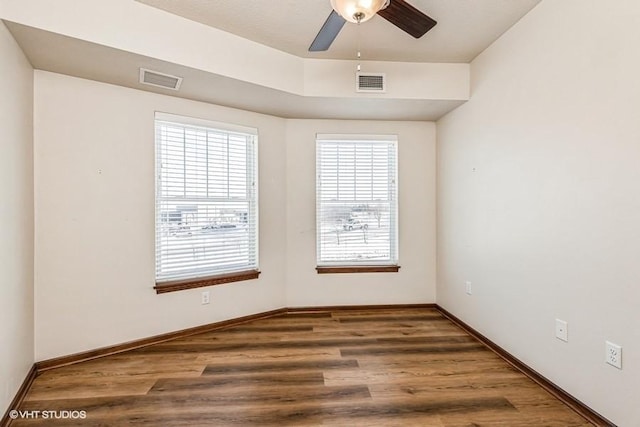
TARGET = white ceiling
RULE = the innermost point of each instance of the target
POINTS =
(465, 27)
(65, 55)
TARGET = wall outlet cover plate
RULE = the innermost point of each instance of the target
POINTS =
(562, 330)
(613, 354)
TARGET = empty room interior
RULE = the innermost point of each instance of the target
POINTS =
(320, 212)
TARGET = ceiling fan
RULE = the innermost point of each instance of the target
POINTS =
(398, 12)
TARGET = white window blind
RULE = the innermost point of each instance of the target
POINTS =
(356, 200)
(206, 199)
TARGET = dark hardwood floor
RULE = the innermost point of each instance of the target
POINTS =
(393, 367)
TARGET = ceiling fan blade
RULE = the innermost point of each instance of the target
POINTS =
(407, 18)
(327, 33)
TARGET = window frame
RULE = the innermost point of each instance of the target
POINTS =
(197, 281)
(352, 265)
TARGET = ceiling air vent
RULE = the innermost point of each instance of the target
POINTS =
(154, 78)
(371, 82)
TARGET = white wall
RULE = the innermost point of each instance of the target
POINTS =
(94, 189)
(415, 283)
(16, 217)
(94, 192)
(539, 198)
(404, 80)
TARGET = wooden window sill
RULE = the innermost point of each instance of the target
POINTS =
(359, 269)
(201, 282)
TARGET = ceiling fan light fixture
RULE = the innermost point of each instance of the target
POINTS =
(357, 11)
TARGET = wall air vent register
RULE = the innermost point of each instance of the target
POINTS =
(158, 79)
(371, 82)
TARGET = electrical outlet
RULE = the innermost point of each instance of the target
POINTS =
(613, 354)
(205, 297)
(562, 330)
(468, 288)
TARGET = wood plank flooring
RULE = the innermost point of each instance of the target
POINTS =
(392, 367)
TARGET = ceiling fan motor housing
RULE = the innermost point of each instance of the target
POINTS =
(357, 11)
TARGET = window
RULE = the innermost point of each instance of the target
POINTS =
(356, 203)
(206, 203)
